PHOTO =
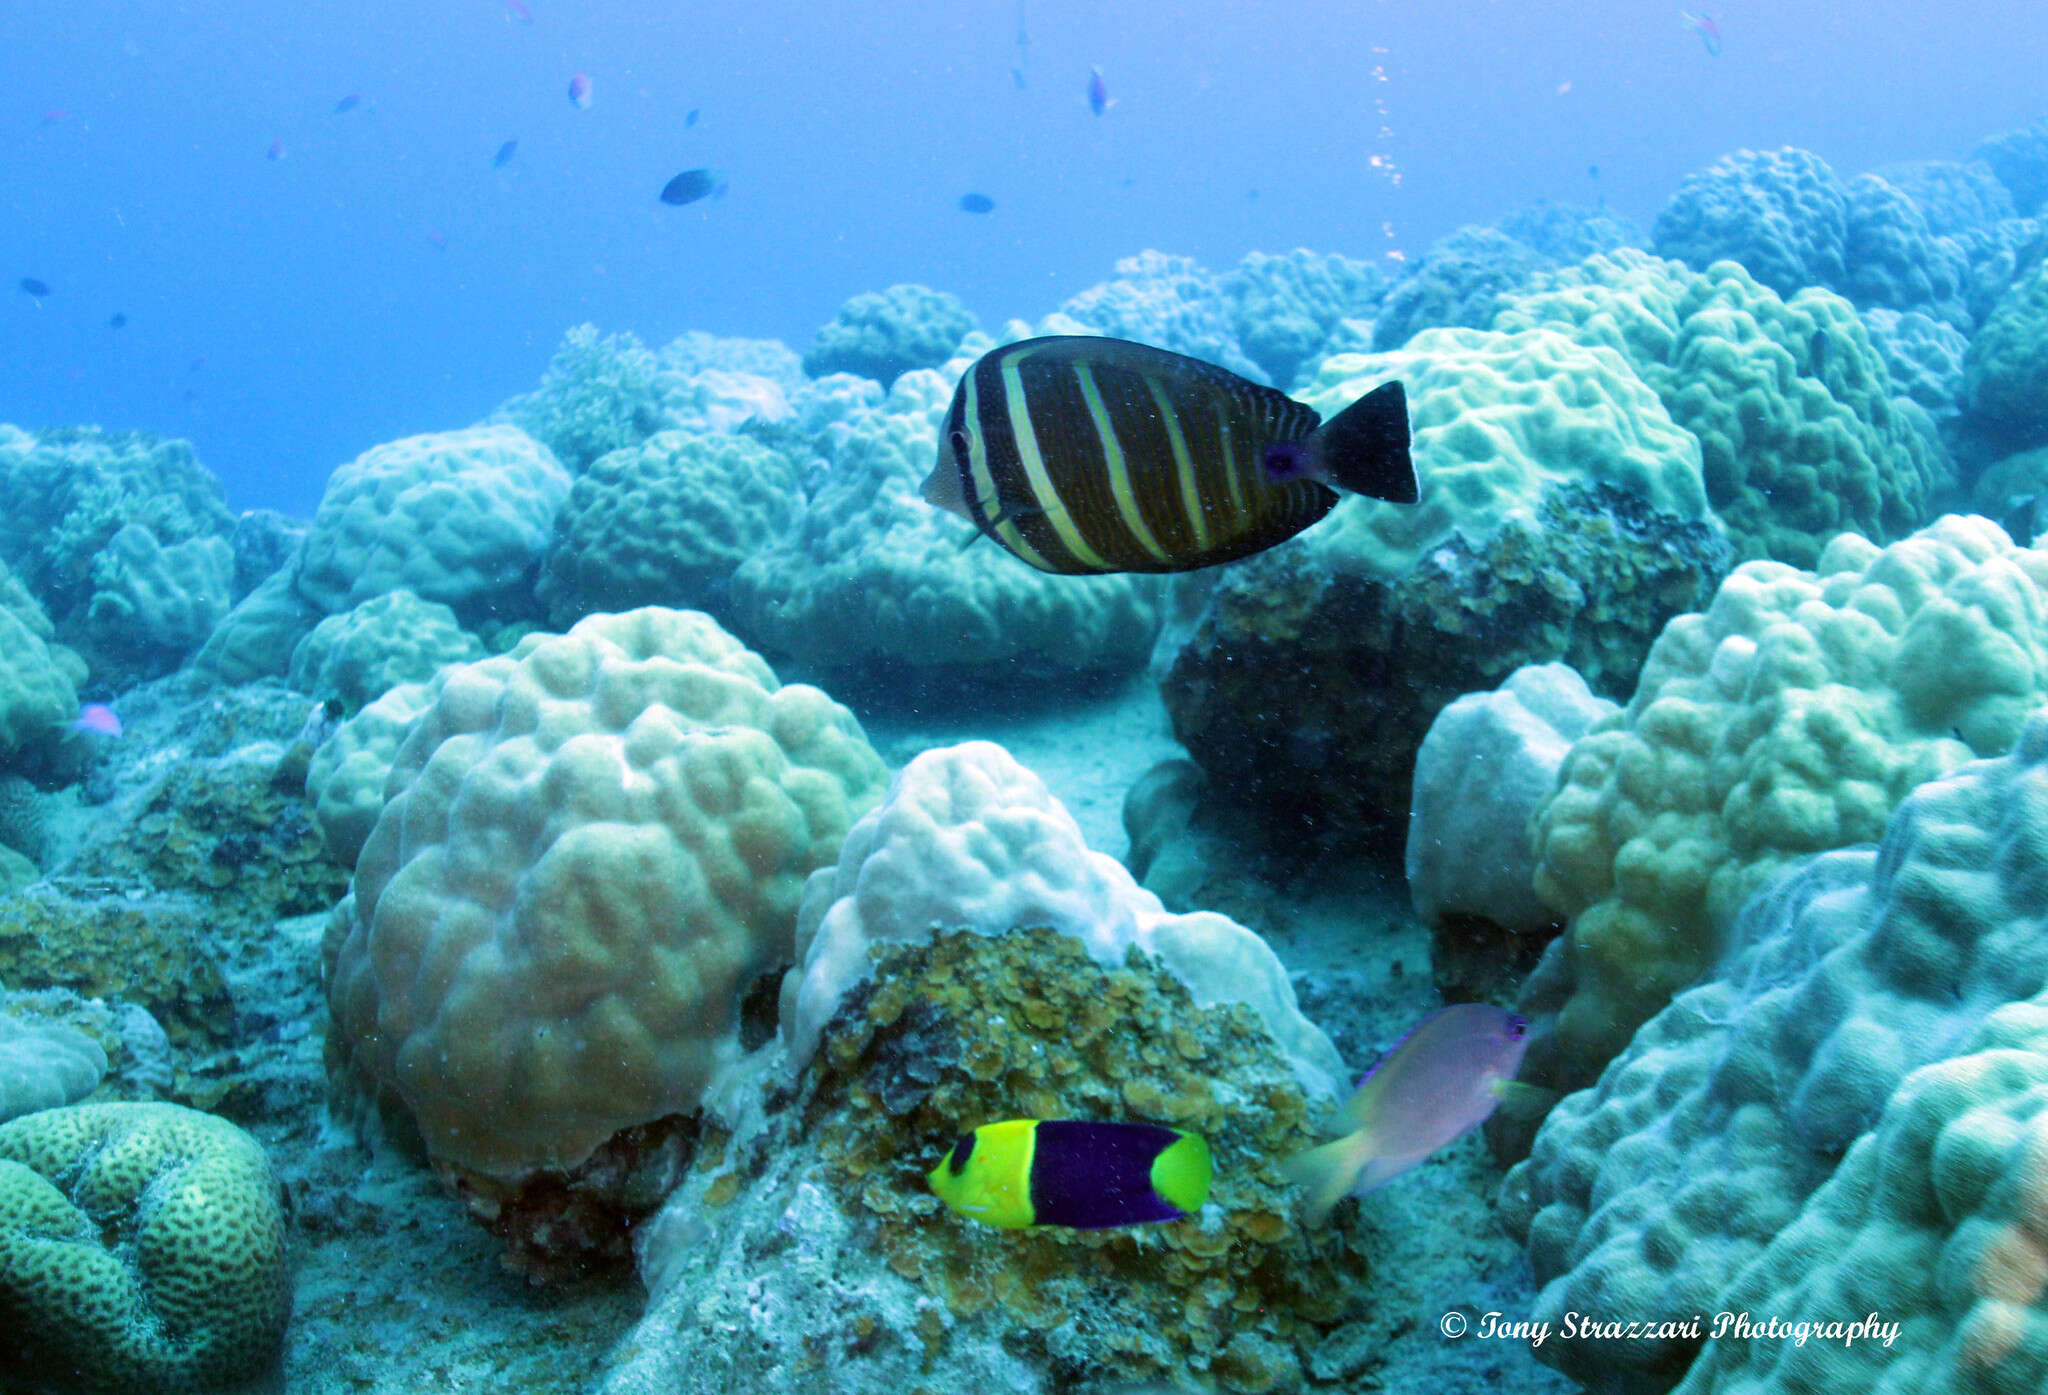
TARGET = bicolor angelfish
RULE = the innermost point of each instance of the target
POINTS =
(1085, 1174)
(1081, 454)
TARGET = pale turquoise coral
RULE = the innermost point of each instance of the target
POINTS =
(1796, 444)
(599, 839)
(1933, 1224)
(361, 654)
(44, 1064)
(458, 517)
(1496, 418)
(2005, 371)
(1788, 718)
(1782, 214)
(39, 677)
(153, 605)
(142, 1248)
(885, 334)
(345, 779)
(1703, 1140)
(665, 523)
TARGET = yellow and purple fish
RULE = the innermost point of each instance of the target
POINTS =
(1704, 26)
(1442, 1081)
(579, 91)
(96, 719)
(1099, 100)
(1087, 1174)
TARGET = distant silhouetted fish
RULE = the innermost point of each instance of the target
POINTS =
(519, 11)
(117, 321)
(35, 287)
(691, 119)
(1099, 100)
(348, 103)
(56, 114)
(276, 150)
(505, 154)
(439, 239)
(977, 203)
(579, 91)
(692, 185)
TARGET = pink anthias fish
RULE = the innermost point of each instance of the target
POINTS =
(519, 11)
(1442, 1080)
(1099, 100)
(579, 92)
(55, 115)
(96, 719)
(276, 150)
(1704, 26)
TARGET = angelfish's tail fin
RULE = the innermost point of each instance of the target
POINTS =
(1364, 448)
(1327, 1174)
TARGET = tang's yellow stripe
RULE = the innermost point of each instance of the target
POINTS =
(1119, 468)
(1033, 462)
(1183, 464)
(987, 499)
(1227, 452)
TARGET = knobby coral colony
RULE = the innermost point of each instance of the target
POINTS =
(1805, 372)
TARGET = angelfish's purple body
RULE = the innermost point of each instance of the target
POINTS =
(1440, 1082)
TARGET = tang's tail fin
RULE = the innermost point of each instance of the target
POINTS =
(1327, 1174)
(1364, 448)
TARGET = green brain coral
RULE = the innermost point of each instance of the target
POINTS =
(142, 1248)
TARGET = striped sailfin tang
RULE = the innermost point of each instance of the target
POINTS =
(1054, 510)
(1084, 455)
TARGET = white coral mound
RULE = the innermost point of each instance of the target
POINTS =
(968, 839)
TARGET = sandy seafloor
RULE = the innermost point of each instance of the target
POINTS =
(398, 1290)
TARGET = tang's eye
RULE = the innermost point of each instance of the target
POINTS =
(959, 440)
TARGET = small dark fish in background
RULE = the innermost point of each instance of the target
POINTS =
(276, 150)
(692, 185)
(977, 203)
(35, 287)
(1082, 455)
(1817, 350)
(1099, 100)
(691, 119)
(519, 11)
(1593, 172)
(505, 154)
(439, 239)
(579, 91)
(56, 116)
(348, 103)
(117, 321)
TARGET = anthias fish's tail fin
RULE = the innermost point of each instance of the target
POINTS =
(1326, 1174)
(1364, 448)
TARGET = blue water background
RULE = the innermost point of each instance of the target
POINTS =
(287, 314)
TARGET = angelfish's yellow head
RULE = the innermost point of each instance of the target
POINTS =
(1085, 1173)
(986, 1174)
